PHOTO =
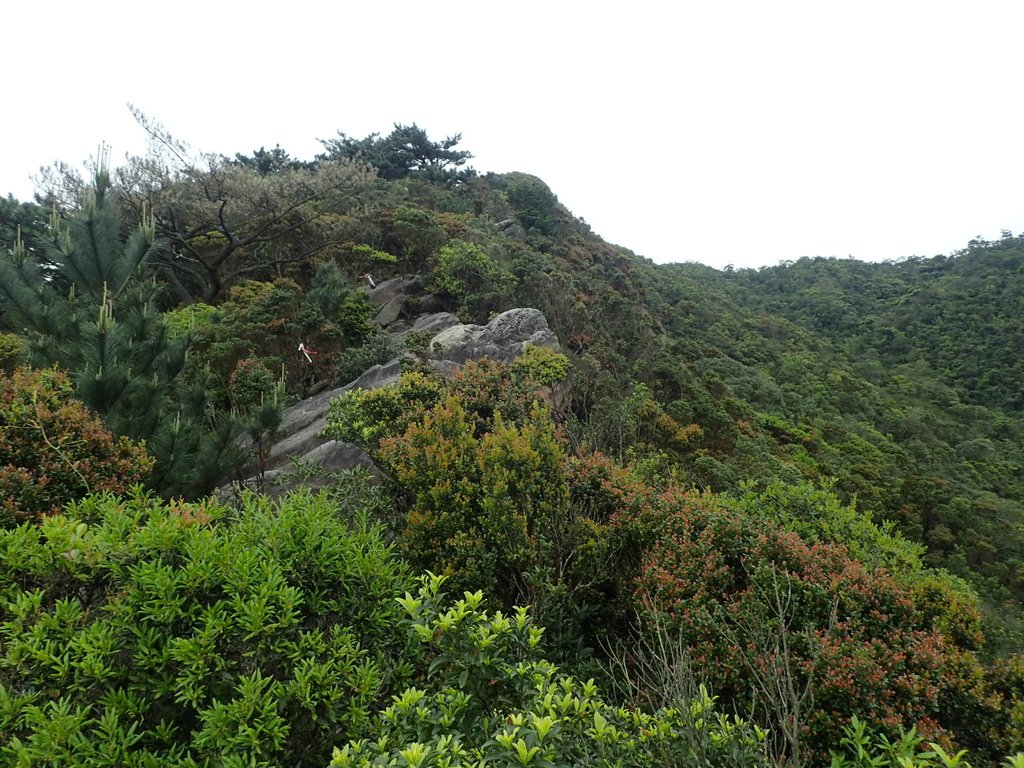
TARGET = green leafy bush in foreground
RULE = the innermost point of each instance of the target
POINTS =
(492, 700)
(138, 633)
(859, 748)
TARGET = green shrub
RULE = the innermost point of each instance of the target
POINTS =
(492, 699)
(54, 450)
(297, 336)
(817, 514)
(860, 748)
(191, 319)
(473, 283)
(413, 234)
(542, 365)
(483, 387)
(250, 385)
(481, 509)
(136, 633)
(535, 205)
(484, 479)
(1006, 677)
(365, 416)
(13, 351)
(968, 705)
(377, 349)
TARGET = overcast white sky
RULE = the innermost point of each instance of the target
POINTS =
(724, 132)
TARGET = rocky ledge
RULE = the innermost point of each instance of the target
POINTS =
(300, 456)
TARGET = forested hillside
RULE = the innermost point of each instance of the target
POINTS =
(776, 515)
(899, 381)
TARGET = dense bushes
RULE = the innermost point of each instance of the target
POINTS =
(802, 607)
(54, 450)
(484, 483)
(803, 632)
(136, 633)
(766, 599)
(266, 322)
(491, 698)
(861, 748)
(473, 283)
(479, 506)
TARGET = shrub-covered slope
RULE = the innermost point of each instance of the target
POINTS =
(819, 462)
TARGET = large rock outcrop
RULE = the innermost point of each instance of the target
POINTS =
(402, 300)
(504, 338)
(302, 424)
(294, 458)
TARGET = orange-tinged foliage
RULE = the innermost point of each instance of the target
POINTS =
(741, 592)
(53, 450)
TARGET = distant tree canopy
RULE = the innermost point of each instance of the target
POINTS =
(226, 221)
(267, 161)
(406, 151)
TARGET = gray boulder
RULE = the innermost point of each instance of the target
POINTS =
(314, 469)
(391, 312)
(302, 424)
(300, 442)
(377, 376)
(402, 299)
(405, 285)
(435, 323)
(504, 338)
(511, 228)
(306, 412)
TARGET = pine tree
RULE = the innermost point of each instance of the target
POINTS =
(89, 307)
